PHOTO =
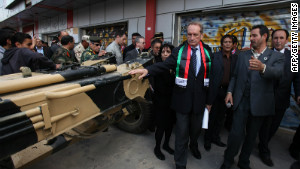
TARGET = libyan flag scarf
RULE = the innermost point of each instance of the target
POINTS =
(181, 76)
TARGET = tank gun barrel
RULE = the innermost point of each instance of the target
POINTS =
(42, 80)
(69, 104)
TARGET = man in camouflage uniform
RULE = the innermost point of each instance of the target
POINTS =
(81, 47)
(93, 51)
(63, 55)
(55, 46)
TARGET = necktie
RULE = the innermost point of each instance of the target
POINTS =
(194, 60)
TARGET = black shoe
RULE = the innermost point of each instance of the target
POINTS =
(242, 167)
(168, 149)
(219, 143)
(224, 167)
(293, 153)
(105, 130)
(207, 146)
(195, 152)
(159, 154)
(295, 165)
(266, 160)
(180, 167)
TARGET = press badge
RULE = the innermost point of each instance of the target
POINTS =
(181, 81)
(206, 82)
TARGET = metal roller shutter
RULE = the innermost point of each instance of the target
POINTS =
(238, 24)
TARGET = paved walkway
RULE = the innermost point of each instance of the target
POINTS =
(116, 149)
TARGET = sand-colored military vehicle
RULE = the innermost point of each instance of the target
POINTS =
(41, 113)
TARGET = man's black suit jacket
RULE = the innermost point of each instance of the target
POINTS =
(127, 49)
(283, 86)
(262, 100)
(218, 73)
(131, 55)
(192, 98)
(45, 50)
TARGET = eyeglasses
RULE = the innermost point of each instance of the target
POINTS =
(96, 44)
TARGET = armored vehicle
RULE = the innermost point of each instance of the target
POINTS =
(42, 113)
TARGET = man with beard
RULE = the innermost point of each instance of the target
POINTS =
(251, 93)
(282, 96)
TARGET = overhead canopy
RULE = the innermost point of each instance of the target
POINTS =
(42, 9)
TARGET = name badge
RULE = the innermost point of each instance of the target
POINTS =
(206, 82)
(181, 81)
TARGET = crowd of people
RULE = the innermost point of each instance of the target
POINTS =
(19, 49)
(247, 91)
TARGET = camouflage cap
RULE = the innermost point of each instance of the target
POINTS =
(95, 39)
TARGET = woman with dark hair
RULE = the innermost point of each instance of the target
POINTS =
(164, 116)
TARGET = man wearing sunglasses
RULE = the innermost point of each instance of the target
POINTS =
(93, 51)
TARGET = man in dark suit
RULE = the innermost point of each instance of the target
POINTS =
(251, 93)
(224, 64)
(192, 64)
(229, 113)
(132, 46)
(139, 46)
(39, 48)
(282, 95)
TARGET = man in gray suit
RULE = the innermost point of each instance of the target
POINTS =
(139, 46)
(251, 93)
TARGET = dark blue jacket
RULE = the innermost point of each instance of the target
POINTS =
(15, 58)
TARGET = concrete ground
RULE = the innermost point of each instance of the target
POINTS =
(117, 149)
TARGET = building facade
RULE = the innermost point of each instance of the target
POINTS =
(44, 18)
